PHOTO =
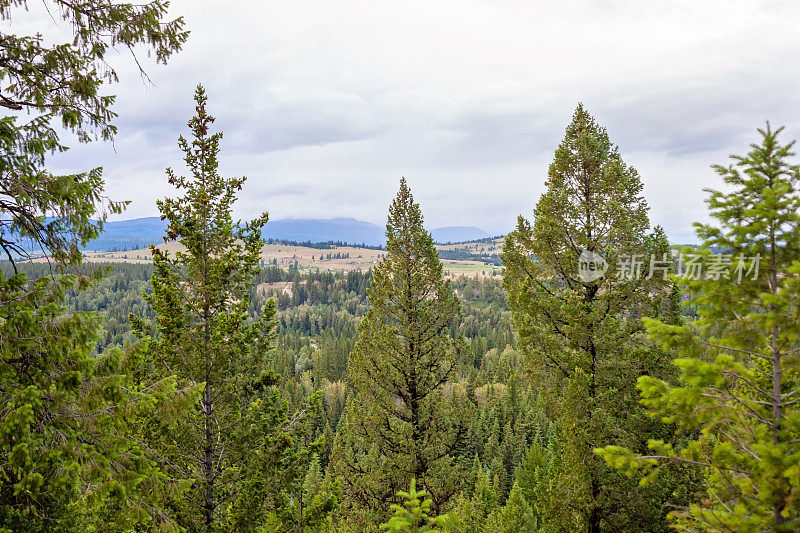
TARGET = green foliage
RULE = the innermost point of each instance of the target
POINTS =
(738, 361)
(484, 501)
(62, 82)
(406, 421)
(318, 499)
(516, 515)
(414, 515)
(67, 461)
(237, 444)
(309, 408)
(67, 464)
(538, 478)
(582, 337)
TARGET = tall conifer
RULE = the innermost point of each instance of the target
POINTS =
(234, 448)
(578, 331)
(404, 424)
(739, 360)
(65, 461)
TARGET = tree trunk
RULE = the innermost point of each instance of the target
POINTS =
(208, 461)
(777, 373)
(594, 512)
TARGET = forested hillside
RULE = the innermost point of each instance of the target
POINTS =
(316, 331)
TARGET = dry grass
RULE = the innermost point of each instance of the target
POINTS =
(361, 259)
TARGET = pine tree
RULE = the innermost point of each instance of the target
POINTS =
(312, 508)
(67, 461)
(540, 477)
(516, 515)
(235, 445)
(404, 423)
(738, 361)
(579, 332)
(471, 513)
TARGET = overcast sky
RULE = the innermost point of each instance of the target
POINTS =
(325, 105)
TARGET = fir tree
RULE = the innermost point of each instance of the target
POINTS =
(404, 424)
(516, 515)
(317, 499)
(67, 461)
(540, 477)
(578, 331)
(738, 361)
(235, 446)
(471, 513)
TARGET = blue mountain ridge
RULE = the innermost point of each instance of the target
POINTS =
(141, 232)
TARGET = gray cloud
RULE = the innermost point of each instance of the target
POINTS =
(486, 136)
(325, 106)
(290, 125)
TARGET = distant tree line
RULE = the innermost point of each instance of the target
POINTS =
(327, 245)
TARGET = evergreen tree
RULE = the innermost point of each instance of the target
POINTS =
(515, 516)
(414, 515)
(539, 477)
(46, 83)
(738, 360)
(317, 500)
(65, 461)
(579, 332)
(471, 512)
(235, 446)
(405, 424)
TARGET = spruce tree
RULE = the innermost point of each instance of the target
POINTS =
(472, 511)
(316, 500)
(579, 332)
(404, 423)
(235, 447)
(515, 516)
(414, 516)
(738, 361)
(67, 462)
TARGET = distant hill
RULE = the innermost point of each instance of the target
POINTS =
(347, 230)
(141, 232)
(129, 234)
(458, 234)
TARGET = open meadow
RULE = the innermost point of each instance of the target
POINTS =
(333, 259)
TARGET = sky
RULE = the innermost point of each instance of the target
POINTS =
(325, 105)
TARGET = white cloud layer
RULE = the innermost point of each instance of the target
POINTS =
(326, 104)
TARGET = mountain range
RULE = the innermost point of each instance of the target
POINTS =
(141, 232)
